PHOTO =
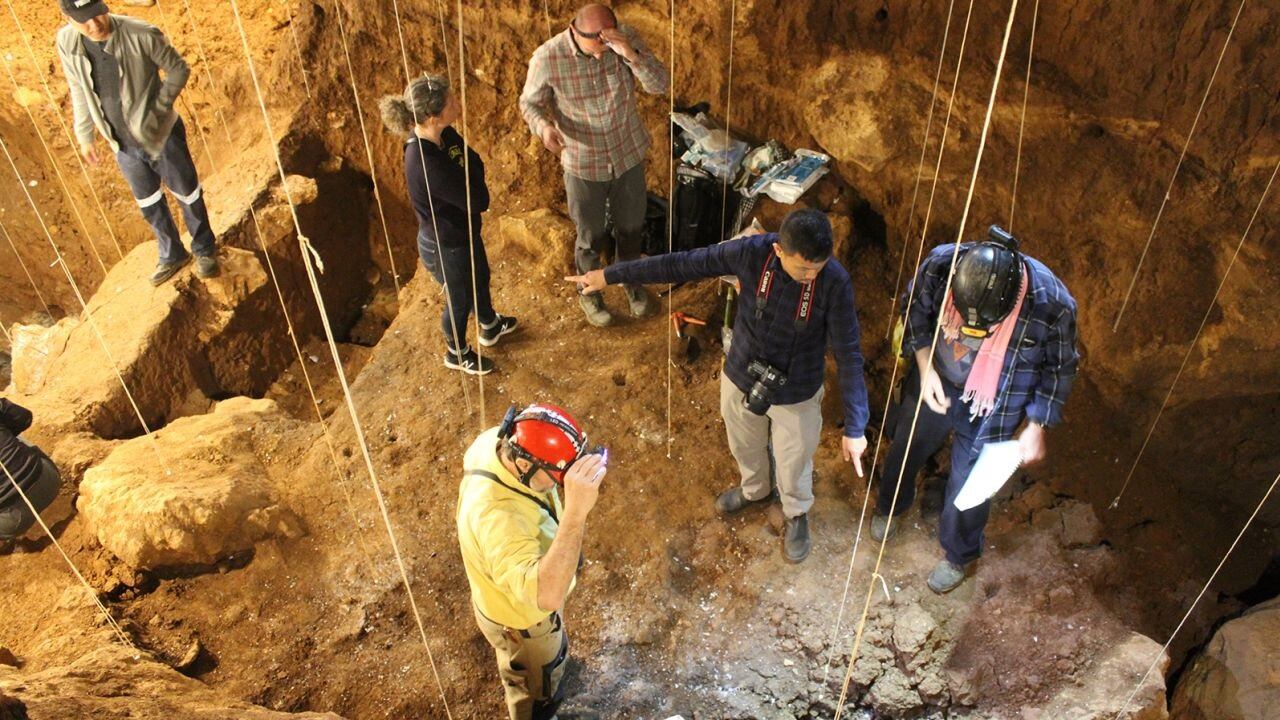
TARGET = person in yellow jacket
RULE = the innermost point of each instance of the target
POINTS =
(521, 546)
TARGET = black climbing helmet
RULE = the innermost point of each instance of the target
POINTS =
(988, 278)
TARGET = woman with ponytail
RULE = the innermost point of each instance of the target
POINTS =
(447, 238)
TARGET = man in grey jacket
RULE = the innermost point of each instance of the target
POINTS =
(112, 64)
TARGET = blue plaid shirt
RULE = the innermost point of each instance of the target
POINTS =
(775, 338)
(1037, 378)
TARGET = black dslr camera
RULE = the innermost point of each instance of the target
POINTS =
(767, 380)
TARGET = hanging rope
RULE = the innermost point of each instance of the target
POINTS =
(327, 436)
(1026, 90)
(1204, 321)
(172, 31)
(25, 271)
(93, 594)
(466, 171)
(306, 250)
(546, 15)
(368, 149)
(671, 193)
(728, 119)
(1177, 168)
(893, 376)
(444, 39)
(964, 219)
(924, 145)
(88, 316)
(1156, 661)
(297, 46)
(48, 94)
(57, 170)
(458, 338)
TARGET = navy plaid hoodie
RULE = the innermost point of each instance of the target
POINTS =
(775, 338)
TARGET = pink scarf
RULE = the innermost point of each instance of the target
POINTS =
(984, 377)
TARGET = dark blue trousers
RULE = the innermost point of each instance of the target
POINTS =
(175, 170)
(451, 267)
(960, 533)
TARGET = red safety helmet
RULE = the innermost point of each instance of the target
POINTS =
(544, 435)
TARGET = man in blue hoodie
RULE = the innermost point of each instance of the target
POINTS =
(796, 300)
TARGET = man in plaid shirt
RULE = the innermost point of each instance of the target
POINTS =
(1030, 372)
(579, 98)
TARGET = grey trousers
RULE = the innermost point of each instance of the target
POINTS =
(790, 432)
(531, 664)
(176, 170)
(592, 204)
(15, 516)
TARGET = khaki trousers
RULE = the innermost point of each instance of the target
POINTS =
(531, 664)
(787, 435)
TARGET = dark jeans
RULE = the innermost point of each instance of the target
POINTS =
(960, 533)
(176, 170)
(451, 267)
(15, 516)
(592, 204)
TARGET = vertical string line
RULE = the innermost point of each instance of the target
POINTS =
(297, 46)
(458, 338)
(93, 594)
(88, 316)
(368, 149)
(1186, 357)
(57, 170)
(1177, 168)
(471, 239)
(893, 378)
(326, 434)
(1026, 90)
(25, 271)
(671, 193)
(1195, 603)
(964, 219)
(937, 168)
(357, 426)
(57, 113)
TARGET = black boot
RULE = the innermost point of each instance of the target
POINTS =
(795, 539)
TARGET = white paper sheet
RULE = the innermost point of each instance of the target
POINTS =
(995, 465)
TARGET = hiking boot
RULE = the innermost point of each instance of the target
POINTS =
(946, 576)
(593, 306)
(468, 362)
(500, 326)
(206, 267)
(164, 270)
(733, 501)
(638, 299)
(879, 523)
(795, 539)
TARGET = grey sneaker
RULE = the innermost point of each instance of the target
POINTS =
(164, 271)
(593, 307)
(206, 267)
(946, 576)
(795, 539)
(733, 501)
(879, 523)
(639, 301)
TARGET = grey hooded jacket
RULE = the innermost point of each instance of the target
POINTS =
(142, 51)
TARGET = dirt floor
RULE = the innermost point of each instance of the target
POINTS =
(678, 611)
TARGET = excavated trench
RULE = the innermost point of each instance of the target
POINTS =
(676, 611)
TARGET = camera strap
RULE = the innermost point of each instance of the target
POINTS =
(768, 274)
(490, 476)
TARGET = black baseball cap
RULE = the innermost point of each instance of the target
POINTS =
(83, 10)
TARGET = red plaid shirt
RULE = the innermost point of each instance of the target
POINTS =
(592, 101)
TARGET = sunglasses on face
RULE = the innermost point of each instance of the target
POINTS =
(587, 35)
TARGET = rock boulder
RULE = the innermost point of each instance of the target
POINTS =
(213, 499)
(1237, 676)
